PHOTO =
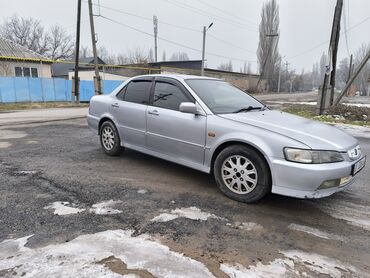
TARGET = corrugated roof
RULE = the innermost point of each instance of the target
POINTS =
(14, 50)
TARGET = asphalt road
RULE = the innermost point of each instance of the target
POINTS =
(156, 211)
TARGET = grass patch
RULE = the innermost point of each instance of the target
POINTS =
(4, 107)
(340, 114)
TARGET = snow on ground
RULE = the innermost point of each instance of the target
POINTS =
(355, 214)
(295, 264)
(64, 208)
(355, 130)
(4, 145)
(276, 268)
(313, 231)
(142, 191)
(192, 213)
(80, 257)
(105, 208)
(321, 264)
(26, 172)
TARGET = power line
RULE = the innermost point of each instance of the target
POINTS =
(233, 45)
(149, 19)
(174, 25)
(208, 14)
(172, 42)
(226, 12)
(314, 47)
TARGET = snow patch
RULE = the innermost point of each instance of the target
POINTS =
(64, 208)
(295, 264)
(192, 213)
(26, 173)
(355, 130)
(313, 231)
(276, 268)
(79, 257)
(11, 134)
(142, 191)
(320, 264)
(355, 214)
(4, 145)
(105, 208)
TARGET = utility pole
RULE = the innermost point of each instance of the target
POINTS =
(203, 50)
(97, 78)
(155, 23)
(333, 51)
(350, 69)
(279, 79)
(286, 73)
(205, 29)
(76, 81)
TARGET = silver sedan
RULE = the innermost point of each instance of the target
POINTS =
(209, 125)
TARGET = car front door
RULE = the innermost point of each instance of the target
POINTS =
(129, 109)
(169, 131)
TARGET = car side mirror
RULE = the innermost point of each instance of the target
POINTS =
(191, 108)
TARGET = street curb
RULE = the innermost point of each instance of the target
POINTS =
(40, 122)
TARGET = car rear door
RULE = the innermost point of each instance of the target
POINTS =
(169, 131)
(129, 109)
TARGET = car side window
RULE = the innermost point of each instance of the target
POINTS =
(168, 96)
(121, 93)
(138, 91)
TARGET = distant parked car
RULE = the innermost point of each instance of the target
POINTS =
(209, 125)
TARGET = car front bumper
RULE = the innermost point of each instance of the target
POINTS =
(304, 180)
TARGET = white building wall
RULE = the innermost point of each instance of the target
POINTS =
(7, 68)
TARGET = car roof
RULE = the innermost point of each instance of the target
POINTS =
(178, 76)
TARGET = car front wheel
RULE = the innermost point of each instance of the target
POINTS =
(242, 174)
(109, 139)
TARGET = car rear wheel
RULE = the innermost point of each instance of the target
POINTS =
(109, 139)
(242, 174)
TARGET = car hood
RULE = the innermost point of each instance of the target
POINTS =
(311, 133)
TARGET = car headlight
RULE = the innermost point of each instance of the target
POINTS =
(312, 156)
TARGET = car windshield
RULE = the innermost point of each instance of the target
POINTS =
(223, 98)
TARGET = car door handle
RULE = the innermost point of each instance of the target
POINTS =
(153, 112)
(115, 105)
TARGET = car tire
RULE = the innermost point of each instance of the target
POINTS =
(109, 139)
(242, 174)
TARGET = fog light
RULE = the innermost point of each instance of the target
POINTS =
(345, 180)
(330, 184)
(335, 183)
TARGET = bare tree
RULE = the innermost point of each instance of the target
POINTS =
(151, 55)
(137, 56)
(85, 52)
(361, 81)
(324, 63)
(28, 32)
(228, 66)
(106, 56)
(179, 56)
(61, 45)
(268, 53)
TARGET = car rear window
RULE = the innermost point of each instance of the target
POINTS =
(138, 92)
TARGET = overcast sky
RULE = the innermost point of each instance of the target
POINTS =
(304, 24)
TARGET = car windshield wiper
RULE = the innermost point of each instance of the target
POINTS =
(249, 108)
